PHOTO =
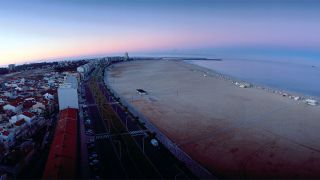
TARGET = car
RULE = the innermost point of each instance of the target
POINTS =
(94, 155)
(88, 121)
(89, 132)
(94, 162)
(93, 152)
(154, 142)
(91, 140)
(92, 158)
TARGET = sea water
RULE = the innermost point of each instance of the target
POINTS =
(299, 77)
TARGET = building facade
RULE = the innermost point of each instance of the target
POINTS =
(68, 97)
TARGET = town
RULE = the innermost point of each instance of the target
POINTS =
(55, 123)
(211, 89)
(28, 112)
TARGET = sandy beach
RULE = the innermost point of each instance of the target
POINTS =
(232, 131)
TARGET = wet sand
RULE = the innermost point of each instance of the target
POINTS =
(232, 131)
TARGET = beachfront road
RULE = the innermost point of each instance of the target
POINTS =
(123, 144)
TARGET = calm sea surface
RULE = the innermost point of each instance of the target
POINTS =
(294, 77)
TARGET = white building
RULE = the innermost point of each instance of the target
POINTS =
(27, 116)
(72, 79)
(39, 107)
(7, 137)
(14, 107)
(68, 97)
(11, 67)
(311, 102)
(86, 69)
(48, 96)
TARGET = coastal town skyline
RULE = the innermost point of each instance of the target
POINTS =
(159, 89)
(37, 30)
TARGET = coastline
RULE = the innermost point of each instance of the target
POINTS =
(278, 91)
(232, 131)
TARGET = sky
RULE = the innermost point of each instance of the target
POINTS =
(55, 29)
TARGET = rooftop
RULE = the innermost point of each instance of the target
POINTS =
(62, 158)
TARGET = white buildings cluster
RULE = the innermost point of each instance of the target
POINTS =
(28, 104)
(84, 70)
(24, 102)
(11, 67)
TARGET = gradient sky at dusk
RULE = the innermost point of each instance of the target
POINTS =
(49, 29)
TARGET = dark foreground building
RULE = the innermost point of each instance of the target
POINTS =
(62, 160)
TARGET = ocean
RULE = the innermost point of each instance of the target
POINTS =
(292, 70)
(297, 76)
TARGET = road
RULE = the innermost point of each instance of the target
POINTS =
(122, 143)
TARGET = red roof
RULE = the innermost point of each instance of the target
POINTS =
(28, 104)
(45, 102)
(5, 133)
(50, 91)
(28, 114)
(61, 163)
(15, 104)
(1, 107)
(20, 122)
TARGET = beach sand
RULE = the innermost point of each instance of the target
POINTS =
(232, 131)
